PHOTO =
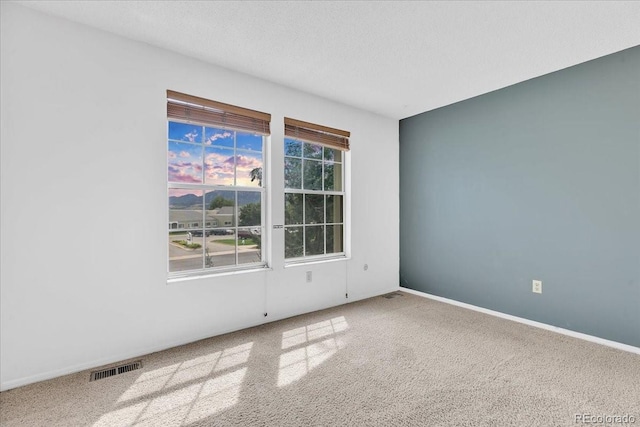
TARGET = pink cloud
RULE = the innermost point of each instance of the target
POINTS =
(247, 162)
(172, 155)
(181, 164)
(222, 179)
(244, 166)
(181, 176)
(219, 169)
(185, 172)
(186, 165)
(185, 154)
(219, 161)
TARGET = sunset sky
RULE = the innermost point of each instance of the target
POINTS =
(193, 147)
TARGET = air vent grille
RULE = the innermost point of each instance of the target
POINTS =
(116, 370)
(392, 295)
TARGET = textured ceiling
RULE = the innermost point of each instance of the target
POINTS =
(396, 58)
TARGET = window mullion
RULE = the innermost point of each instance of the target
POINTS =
(236, 213)
(324, 204)
(263, 228)
(204, 230)
(204, 197)
(324, 221)
(203, 160)
(302, 172)
(322, 169)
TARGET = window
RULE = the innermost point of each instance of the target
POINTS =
(215, 160)
(314, 190)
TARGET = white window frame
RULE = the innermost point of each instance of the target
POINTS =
(206, 271)
(321, 257)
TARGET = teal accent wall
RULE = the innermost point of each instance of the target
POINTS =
(539, 180)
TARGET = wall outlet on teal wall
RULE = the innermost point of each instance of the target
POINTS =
(537, 286)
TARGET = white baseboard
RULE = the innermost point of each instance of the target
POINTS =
(135, 354)
(574, 334)
(359, 296)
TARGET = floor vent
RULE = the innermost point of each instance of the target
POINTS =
(116, 370)
(392, 295)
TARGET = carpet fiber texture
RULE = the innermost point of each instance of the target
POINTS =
(403, 361)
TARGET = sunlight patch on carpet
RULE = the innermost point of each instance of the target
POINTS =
(183, 392)
(125, 416)
(180, 373)
(216, 395)
(234, 356)
(298, 362)
(313, 332)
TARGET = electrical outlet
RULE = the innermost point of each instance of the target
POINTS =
(309, 277)
(537, 286)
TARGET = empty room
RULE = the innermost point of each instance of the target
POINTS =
(326, 213)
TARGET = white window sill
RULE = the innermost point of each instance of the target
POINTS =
(209, 275)
(305, 262)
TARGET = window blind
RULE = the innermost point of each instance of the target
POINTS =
(310, 132)
(204, 111)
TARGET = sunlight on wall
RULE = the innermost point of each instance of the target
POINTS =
(183, 392)
(295, 364)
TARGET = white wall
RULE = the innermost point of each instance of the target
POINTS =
(84, 207)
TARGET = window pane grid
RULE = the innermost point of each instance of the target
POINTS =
(320, 232)
(217, 230)
(245, 216)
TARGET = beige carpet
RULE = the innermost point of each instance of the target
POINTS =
(406, 361)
